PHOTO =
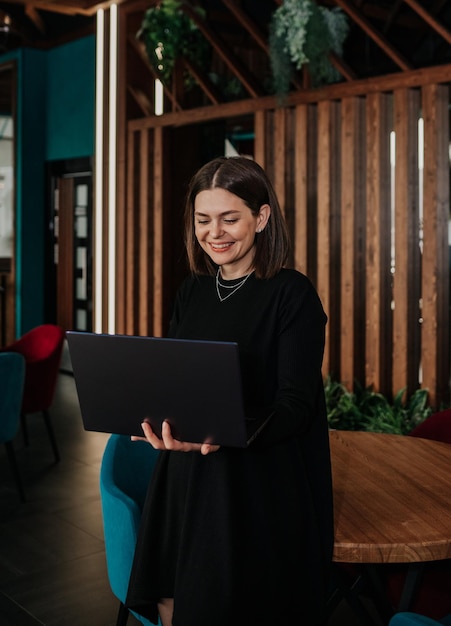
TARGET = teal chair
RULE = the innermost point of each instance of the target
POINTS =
(415, 619)
(12, 377)
(124, 476)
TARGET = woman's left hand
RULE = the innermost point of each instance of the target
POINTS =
(167, 441)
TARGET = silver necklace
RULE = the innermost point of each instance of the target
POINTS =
(234, 288)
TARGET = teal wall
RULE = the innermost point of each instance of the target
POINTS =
(70, 109)
(54, 121)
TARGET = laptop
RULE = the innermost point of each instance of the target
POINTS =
(122, 380)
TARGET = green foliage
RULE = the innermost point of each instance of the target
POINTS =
(169, 34)
(365, 409)
(302, 32)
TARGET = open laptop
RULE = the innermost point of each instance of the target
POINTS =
(122, 380)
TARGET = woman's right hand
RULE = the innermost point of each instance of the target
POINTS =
(167, 441)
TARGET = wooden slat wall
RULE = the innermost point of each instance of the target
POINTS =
(435, 268)
(407, 277)
(378, 340)
(331, 166)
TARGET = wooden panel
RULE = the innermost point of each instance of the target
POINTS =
(378, 243)
(414, 78)
(435, 270)
(300, 222)
(323, 191)
(131, 245)
(340, 222)
(352, 233)
(145, 256)
(406, 277)
(158, 233)
(279, 143)
(260, 138)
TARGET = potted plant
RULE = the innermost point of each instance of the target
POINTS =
(301, 32)
(168, 35)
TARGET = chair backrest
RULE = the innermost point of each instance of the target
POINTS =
(127, 465)
(437, 427)
(125, 472)
(12, 376)
(415, 619)
(42, 348)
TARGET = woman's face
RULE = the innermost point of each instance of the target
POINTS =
(225, 228)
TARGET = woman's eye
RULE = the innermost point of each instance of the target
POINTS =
(231, 221)
(202, 222)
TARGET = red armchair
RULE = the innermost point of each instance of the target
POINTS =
(42, 348)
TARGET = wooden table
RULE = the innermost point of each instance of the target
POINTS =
(392, 501)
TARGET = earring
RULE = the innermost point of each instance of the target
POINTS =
(259, 230)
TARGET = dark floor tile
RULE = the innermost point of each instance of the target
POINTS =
(11, 614)
(70, 593)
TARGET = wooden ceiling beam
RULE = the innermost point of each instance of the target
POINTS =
(430, 19)
(249, 25)
(141, 100)
(207, 86)
(377, 37)
(34, 16)
(342, 67)
(229, 58)
(392, 15)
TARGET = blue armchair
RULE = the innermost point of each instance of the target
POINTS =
(12, 378)
(415, 619)
(124, 475)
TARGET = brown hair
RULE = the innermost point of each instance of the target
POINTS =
(247, 180)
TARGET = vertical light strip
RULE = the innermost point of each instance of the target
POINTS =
(98, 199)
(112, 146)
(159, 97)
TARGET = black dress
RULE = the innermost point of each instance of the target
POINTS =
(245, 537)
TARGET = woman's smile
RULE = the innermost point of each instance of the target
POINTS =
(225, 228)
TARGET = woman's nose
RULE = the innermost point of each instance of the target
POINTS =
(216, 229)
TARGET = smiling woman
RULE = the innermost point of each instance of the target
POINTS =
(226, 228)
(230, 535)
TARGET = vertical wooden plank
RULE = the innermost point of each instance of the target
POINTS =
(378, 246)
(129, 236)
(328, 206)
(260, 138)
(333, 346)
(279, 141)
(145, 258)
(300, 192)
(312, 193)
(352, 328)
(406, 276)
(158, 233)
(435, 356)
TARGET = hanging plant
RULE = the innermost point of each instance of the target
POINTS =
(301, 32)
(169, 34)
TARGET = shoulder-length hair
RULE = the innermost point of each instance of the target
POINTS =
(247, 180)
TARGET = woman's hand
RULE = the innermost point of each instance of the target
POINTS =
(167, 441)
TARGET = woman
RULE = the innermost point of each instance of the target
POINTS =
(243, 537)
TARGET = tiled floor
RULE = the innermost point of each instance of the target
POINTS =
(52, 558)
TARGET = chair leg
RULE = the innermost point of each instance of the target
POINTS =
(51, 432)
(122, 615)
(15, 469)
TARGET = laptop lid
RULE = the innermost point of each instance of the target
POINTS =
(122, 380)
